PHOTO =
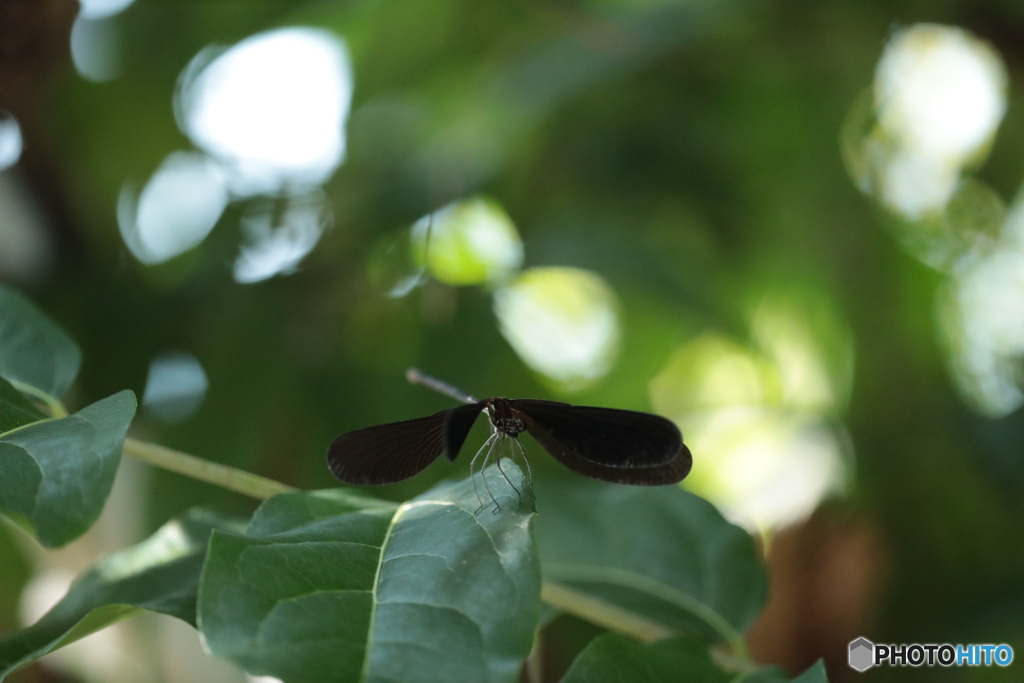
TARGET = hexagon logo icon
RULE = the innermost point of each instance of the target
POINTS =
(862, 654)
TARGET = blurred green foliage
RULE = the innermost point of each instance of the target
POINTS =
(687, 152)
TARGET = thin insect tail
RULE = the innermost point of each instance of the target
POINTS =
(415, 376)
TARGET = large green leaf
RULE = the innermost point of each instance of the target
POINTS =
(613, 658)
(161, 574)
(15, 410)
(57, 474)
(327, 587)
(662, 553)
(33, 350)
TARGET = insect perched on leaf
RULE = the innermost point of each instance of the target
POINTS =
(619, 446)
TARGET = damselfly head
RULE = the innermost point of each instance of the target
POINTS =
(510, 426)
(504, 418)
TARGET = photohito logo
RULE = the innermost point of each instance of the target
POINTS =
(864, 654)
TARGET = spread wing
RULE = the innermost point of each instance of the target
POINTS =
(392, 452)
(619, 446)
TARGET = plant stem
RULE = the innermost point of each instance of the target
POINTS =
(533, 667)
(569, 600)
(560, 596)
(602, 613)
(229, 478)
(656, 589)
(55, 407)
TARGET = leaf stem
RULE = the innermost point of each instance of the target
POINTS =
(560, 596)
(54, 405)
(627, 579)
(740, 666)
(229, 478)
(602, 613)
(25, 426)
(533, 667)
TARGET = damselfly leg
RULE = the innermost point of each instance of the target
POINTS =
(511, 448)
(522, 452)
(472, 475)
(498, 436)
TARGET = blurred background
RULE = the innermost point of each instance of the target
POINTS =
(794, 228)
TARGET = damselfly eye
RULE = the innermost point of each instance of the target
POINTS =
(511, 425)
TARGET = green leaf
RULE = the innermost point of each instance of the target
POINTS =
(816, 674)
(33, 350)
(662, 553)
(613, 658)
(15, 410)
(16, 570)
(547, 615)
(57, 474)
(328, 587)
(160, 574)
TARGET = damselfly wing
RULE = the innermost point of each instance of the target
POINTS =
(389, 453)
(619, 446)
